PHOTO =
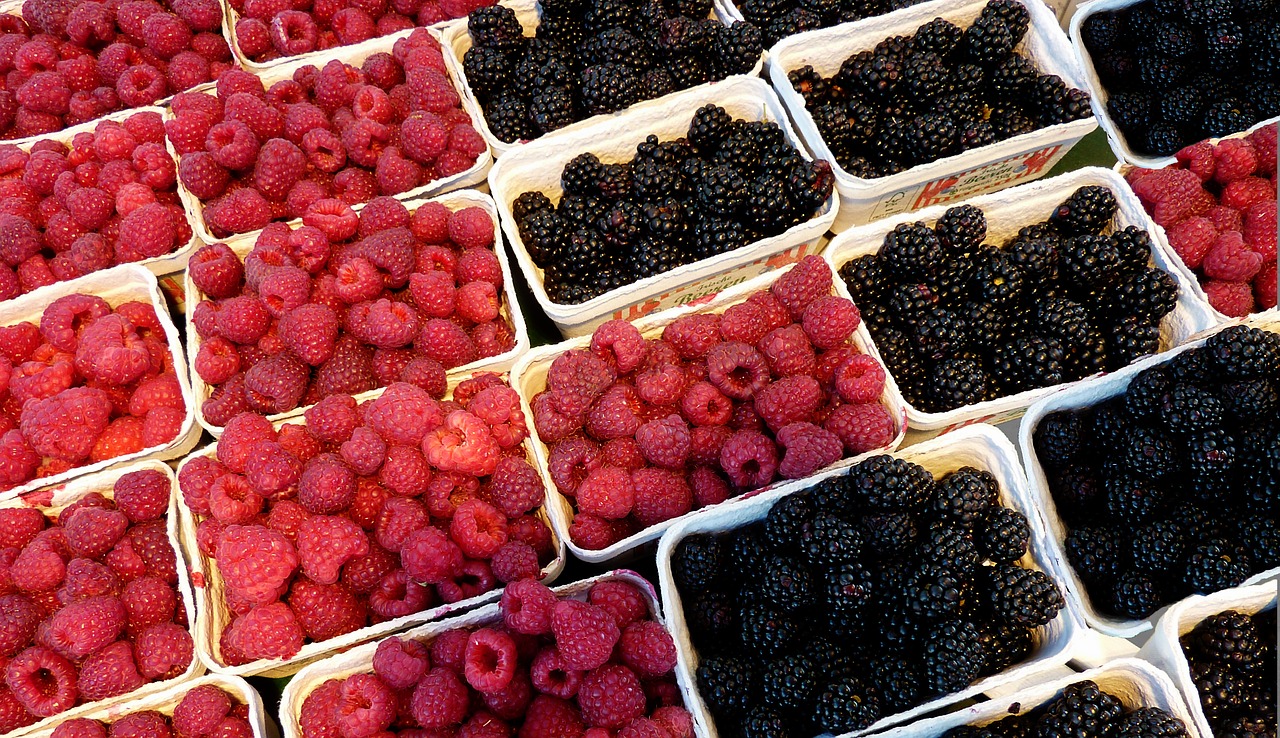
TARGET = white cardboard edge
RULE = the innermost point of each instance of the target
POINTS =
(1165, 651)
(52, 501)
(537, 166)
(981, 446)
(827, 48)
(1088, 393)
(360, 660)
(456, 200)
(1135, 682)
(528, 377)
(457, 41)
(119, 284)
(207, 629)
(158, 265)
(1006, 212)
(353, 55)
(1098, 92)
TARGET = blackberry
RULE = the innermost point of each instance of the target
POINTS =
(1060, 318)
(616, 45)
(789, 682)
(871, 74)
(741, 150)
(1132, 110)
(934, 593)
(846, 588)
(727, 684)
(1157, 547)
(1149, 722)
(1134, 245)
(762, 11)
(1007, 122)
(608, 87)
(1094, 553)
(1116, 67)
(766, 205)
(1028, 362)
(938, 36)
(793, 22)
(765, 632)
(508, 118)
(1183, 106)
(1214, 565)
(1223, 692)
(1265, 98)
(653, 255)
(747, 551)
(1227, 117)
(964, 108)
(1088, 211)
(1060, 439)
(486, 69)
(911, 250)
(1174, 40)
(665, 219)
(1003, 535)
(1241, 352)
(948, 547)
(1244, 727)
(1134, 595)
(964, 497)
(1188, 410)
(889, 534)
(564, 30)
(764, 722)
(864, 277)
(713, 621)
(712, 236)
(1260, 539)
(614, 181)
(988, 40)
(697, 563)
(1003, 645)
(1131, 338)
(845, 705)
(809, 184)
(938, 335)
(787, 521)
(1073, 104)
(1160, 73)
(529, 203)
(651, 180)
(552, 109)
(1147, 392)
(1248, 399)
(1102, 31)
(924, 77)
(1229, 638)
(932, 136)
(1037, 258)
(1018, 596)
(1089, 262)
(1012, 79)
(951, 657)
(581, 211)
(737, 49)
(496, 27)
(887, 483)
(967, 77)
(687, 71)
(580, 175)
(892, 145)
(1081, 711)
(831, 540)
(543, 234)
(950, 285)
(1132, 501)
(1162, 139)
(656, 82)
(1012, 13)
(896, 681)
(1210, 460)
(811, 86)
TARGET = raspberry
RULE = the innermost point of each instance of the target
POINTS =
(200, 710)
(1176, 194)
(1233, 299)
(737, 370)
(623, 453)
(404, 471)
(704, 405)
(90, 207)
(788, 400)
(860, 379)
(333, 419)
(164, 651)
(270, 469)
(1192, 239)
(607, 492)
(478, 302)
(514, 561)
(18, 461)
(1264, 145)
(79, 728)
(429, 557)
(45, 92)
(216, 271)
(803, 284)
(611, 696)
(327, 486)
(750, 459)
(447, 343)
(1265, 286)
(402, 414)
(326, 611)
(549, 717)
(284, 289)
(515, 486)
(861, 428)
(266, 632)
(256, 562)
(318, 715)
(1260, 229)
(66, 425)
(400, 662)
(42, 681)
(647, 648)
(93, 531)
(18, 621)
(665, 442)
(280, 164)
(277, 383)
(424, 137)
(348, 372)
(471, 228)
(311, 332)
(478, 528)
(1233, 159)
(232, 500)
(364, 451)
(570, 462)
(160, 391)
(550, 676)
(473, 579)
(147, 601)
(1231, 260)
(67, 317)
(789, 352)
(1225, 218)
(463, 443)
(499, 407)
(1244, 193)
(808, 448)
(240, 211)
(829, 321)
(151, 542)
(19, 525)
(365, 706)
(388, 324)
(439, 700)
(326, 542)
(396, 596)
(490, 660)
(112, 352)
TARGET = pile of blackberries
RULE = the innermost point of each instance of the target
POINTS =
(1081, 710)
(1232, 657)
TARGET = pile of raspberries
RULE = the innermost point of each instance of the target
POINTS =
(65, 63)
(367, 513)
(345, 304)
(109, 198)
(205, 711)
(88, 384)
(253, 155)
(549, 667)
(90, 608)
(642, 431)
(271, 29)
(1218, 209)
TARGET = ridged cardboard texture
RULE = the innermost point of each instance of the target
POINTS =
(537, 166)
(1018, 159)
(1006, 212)
(980, 446)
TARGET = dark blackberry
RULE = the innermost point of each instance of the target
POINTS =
(654, 255)
(1242, 352)
(1088, 211)
(1012, 13)
(616, 45)
(1110, 425)
(564, 30)
(1037, 258)
(932, 136)
(581, 211)
(761, 12)
(1157, 547)
(1147, 454)
(1265, 37)
(934, 593)
(602, 14)
(1080, 711)
(1012, 80)
(870, 74)
(712, 236)
(608, 87)
(1023, 597)
(1060, 105)
(1003, 536)
(737, 49)
(811, 86)
(713, 621)
(924, 77)
(889, 534)
(656, 82)
(796, 21)
(582, 252)
(938, 36)
(1132, 501)
(552, 109)
(1133, 111)
(969, 78)
(1089, 263)
(831, 540)
(651, 180)
(845, 705)
(1007, 122)
(543, 234)
(1174, 40)
(964, 497)
(508, 118)
(1214, 565)
(896, 680)
(1229, 638)
(951, 657)
(764, 722)
(698, 563)
(1028, 362)
(1265, 98)
(1146, 393)
(1060, 439)
(938, 334)
(687, 71)
(1223, 692)
(988, 40)
(1210, 460)
(581, 174)
(847, 587)
(529, 203)
(765, 632)
(865, 278)
(951, 284)
(1248, 399)
(1188, 410)
(846, 626)
(740, 149)
(948, 547)
(1160, 73)
(722, 191)
(486, 69)
(1094, 553)
(1162, 139)
(614, 181)
(1244, 727)
(892, 145)
(809, 185)
(766, 205)
(1134, 245)
(1149, 722)
(496, 27)
(1182, 106)
(709, 127)
(788, 683)
(666, 219)
(1003, 645)
(1116, 67)
(1131, 338)
(955, 383)
(1227, 117)
(1102, 31)
(787, 521)
(1260, 539)
(887, 483)
(965, 108)
(910, 251)
(727, 684)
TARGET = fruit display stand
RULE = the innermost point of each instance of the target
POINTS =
(51, 501)
(1006, 212)
(1098, 93)
(360, 660)
(1108, 636)
(986, 169)
(165, 700)
(454, 201)
(979, 446)
(1135, 682)
(528, 377)
(456, 41)
(1164, 650)
(354, 55)
(213, 614)
(120, 284)
(537, 166)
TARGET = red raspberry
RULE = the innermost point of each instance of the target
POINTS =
(232, 500)
(829, 321)
(216, 271)
(447, 343)
(675, 720)
(607, 492)
(473, 579)
(147, 601)
(569, 463)
(665, 442)
(704, 405)
(284, 289)
(327, 486)
(478, 302)
(621, 600)
(333, 419)
(709, 488)
(401, 662)
(66, 318)
(1265, 286)
(620, 343)
(79, 728)
(808, 449)
(243, 319)
(280, 164)
(109, 672)
(349, 372)
(515, 486)
(404, 471)
(217, 360)
(40, 567)
(151, 542)
(12, 714)
(1244, 193)
(660, 495)
(403, 414)
(643, 728)
(1233, 299)
(550, 676)
(387, 324)
(433, 293)
(1231, 260)
(112, 352)
(364, 451)
(693, 335)
(1233, 159)
(396, 596)
(45, 92)
(318, 715)
(611, 696)
(1192, 239)
(1198, 157)
(195, 478)
(861, 428)
(239, 211)
(449, 649)
(277, 383)
(514, 561)
(270, 469)
(576, 378)
(200, 710)
(440, 700)
(479, 265)
(93, 531)
(18, 621)
(365, 706)
(490, 661)
(326, 542)
(429, 557)
(90, 206)
(549, 717)
(803, 284)
(326, 611)
(1260, 229)
(149, 231)
(744, 322)
(623, 453)
(266, 632)
(67, 425)
(616, 414)
(585, 634)
(164, 651)
(750, 459)
(311, 332)
(478, 528)
(464, 444)
(166, 34)
(424, 137)
(161, 391)
(499, 407)
(19, 525)
(789, 352)
(705, 443)
(647, 648)
(256, 562)
(1225, 218)
(1264, 145)
(789, 400)
(1174, 194)
(471, 228)
(42, 681)
(737, 370)
(860, 380)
